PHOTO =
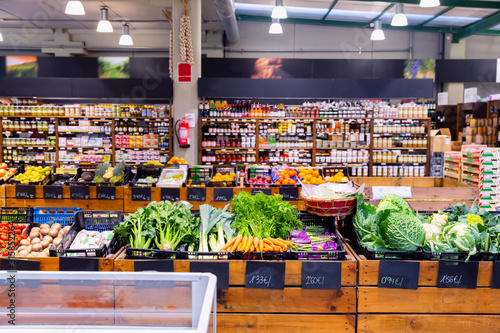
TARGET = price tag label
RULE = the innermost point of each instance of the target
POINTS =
(398, 274)
(495, 277)
(154, 265)
(321, 275)
(19, 265)
(141, 193)
(219, 269)
(53, 192)
(223, 194)
(171, 194)
(457, 274)
(79, 192)
(105, 192)
(197, 194)
(266, 191)
(290, 193)
(73, 264)
(25, 192)
(265, 275)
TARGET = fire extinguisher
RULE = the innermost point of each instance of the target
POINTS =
(183, 134)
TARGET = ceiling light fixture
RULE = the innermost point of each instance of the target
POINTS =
(399, 20)
(378, 33)
(429, 3)
(279, 12)
(104, 24)
(75, 8)
(275, 28)
(125, 39)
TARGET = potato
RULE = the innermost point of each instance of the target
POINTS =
(21, 248)
(48, 239)
(53, 233)
(45, 225)
(42, 254)
(61, 234)
(45, 231)
(25, 242)
(35, 241)
(56, 241)
(37, 247)
(56, 226)
(22, 253)
(44, 243)
(29, 248)
(34, 234)
(32, 254)
(66, 228)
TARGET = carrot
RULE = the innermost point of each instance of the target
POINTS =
(279, 243)
(248, 244)
(252, 248)
(261, 245)
(228, 245)
(267, 248)
(289, 243)
(236, 243)
(256, 243)
(270, 244)
(242, 244)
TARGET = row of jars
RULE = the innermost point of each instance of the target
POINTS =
(42, 126)
(343, 156)
(29, 142)
(211, 157)
(392, 157)
(396, 142)
(30, 156)
(399, 128)
(398, 171)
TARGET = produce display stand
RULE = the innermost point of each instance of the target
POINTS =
(114, 302)
(288, 310)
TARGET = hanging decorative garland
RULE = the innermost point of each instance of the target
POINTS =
(185, 41)
(168, 16)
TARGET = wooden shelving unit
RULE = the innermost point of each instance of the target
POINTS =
(314, 149)
(111, 121)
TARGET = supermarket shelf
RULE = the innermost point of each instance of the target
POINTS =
(281, 148)
(227, 148)
(44, 146)
(400, 163)
(217, 134)
(398, 148)
(394, 133)
(320, 118)
(346, 148)
(87, 117)
(77, 147)
(142, 148)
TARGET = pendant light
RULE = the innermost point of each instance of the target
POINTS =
(104, 24)
(378, 33)
(399, 20)
(429, 3)
(275, 27)
(125, 39)
(279, 12)
(75, 8)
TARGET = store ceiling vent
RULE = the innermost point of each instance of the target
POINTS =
(63, 46)
(225, 10)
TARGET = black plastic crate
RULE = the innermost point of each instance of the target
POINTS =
(458, 256)
(263, 171)
(133, 253)
(223, 170)
(6, 181)
(201, 173)
(94, 221)
(330, 171)
(16, 214)
(146, 171)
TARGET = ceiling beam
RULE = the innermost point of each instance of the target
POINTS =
(329, 9)
(444, 11)
(382, 13)
(364, 25)
(447, 3)
(477, 27)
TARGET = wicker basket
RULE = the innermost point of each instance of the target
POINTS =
(331, 207)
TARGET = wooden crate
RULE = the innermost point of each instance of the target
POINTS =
(290, 310)
(427, 309)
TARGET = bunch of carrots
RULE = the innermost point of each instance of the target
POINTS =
(256, 244)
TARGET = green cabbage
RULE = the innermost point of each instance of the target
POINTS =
(395, 203)
(402, 231)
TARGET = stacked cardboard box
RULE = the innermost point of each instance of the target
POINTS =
(452, 165)
(490, 179)
(471, 164)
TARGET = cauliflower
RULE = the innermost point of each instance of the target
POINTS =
(474, 219)
(431, 230)
(439, 220)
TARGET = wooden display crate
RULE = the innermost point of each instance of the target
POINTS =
(427, 309)
(290, 310)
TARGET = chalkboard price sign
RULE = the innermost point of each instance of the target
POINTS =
(25, 192)
(171, 194)
(265, 275)
(290, 193)
(154, 265)
(197, 194)
(7, 264)
(223, 194)
(495, 277)
(105, 192)
(219, 269)
(52, 192)
(141, 193)
(398, 274)
(321, 275)
(79, 192)
(457, 274)
(266, 191)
